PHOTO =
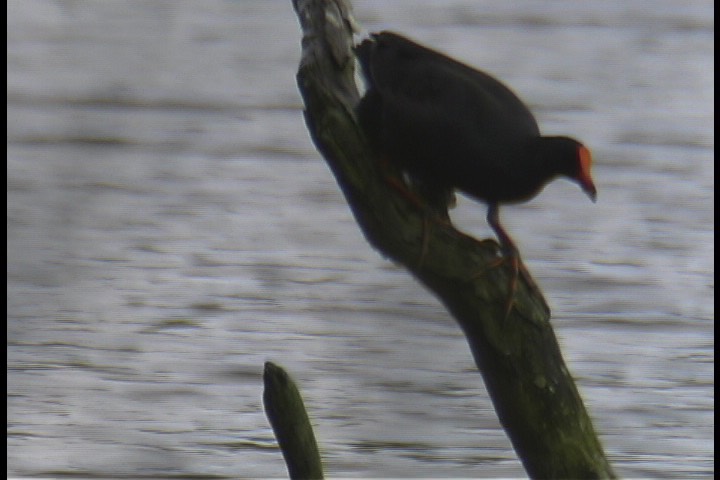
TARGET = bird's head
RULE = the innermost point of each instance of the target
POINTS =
(567, 157)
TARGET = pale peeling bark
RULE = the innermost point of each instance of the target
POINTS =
(517, 354)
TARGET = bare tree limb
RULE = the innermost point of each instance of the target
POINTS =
(286, 411)
(518, 356)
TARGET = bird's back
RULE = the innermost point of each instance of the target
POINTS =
(442, 119)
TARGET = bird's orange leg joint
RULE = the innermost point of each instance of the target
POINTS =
(511, 254)
(400, 187)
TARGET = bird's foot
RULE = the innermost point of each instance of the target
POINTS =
(518, 269)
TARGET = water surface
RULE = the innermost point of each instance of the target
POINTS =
(171, 227)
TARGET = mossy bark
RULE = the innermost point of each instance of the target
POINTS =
(285, 409)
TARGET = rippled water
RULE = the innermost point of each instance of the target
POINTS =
(171, 227)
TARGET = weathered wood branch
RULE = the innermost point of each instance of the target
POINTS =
(518, 355)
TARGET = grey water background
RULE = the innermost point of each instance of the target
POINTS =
(171, 227)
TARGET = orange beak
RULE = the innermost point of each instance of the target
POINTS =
(584, 178)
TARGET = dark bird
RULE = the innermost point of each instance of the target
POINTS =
(450, 126)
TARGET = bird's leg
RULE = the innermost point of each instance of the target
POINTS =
(399, 186)
(493, 218)
(433, 203)
(425, 240)
(511, 253)
(420, 205)
(436, 202)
